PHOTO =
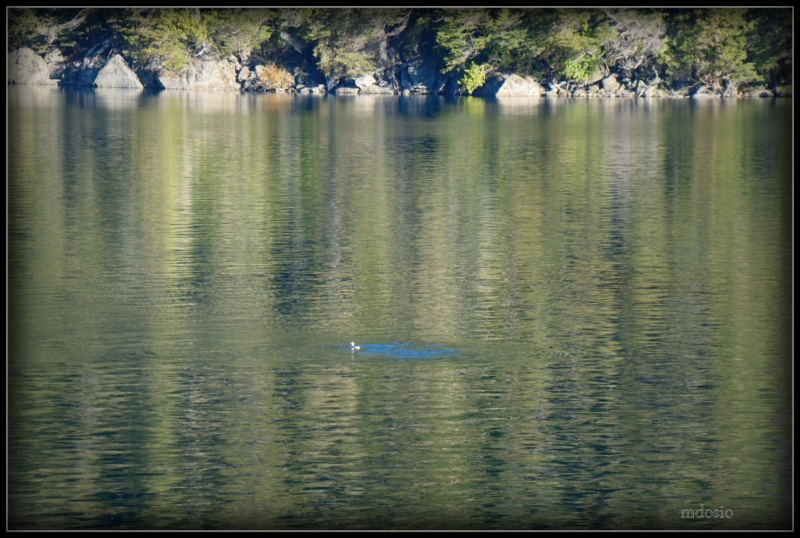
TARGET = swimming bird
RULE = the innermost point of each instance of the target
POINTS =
(354, 347)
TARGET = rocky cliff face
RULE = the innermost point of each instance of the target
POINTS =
(117, 74)
(26, 67)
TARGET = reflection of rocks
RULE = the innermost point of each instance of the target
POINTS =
(27, 67)
(509, 85)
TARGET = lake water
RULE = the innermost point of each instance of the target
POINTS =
(572, 314)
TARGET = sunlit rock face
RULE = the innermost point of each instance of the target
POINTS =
(201, 75)
(27, 67)
(512, 85)
(117, 74)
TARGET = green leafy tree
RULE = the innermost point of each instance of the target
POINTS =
(770, 45)
(44, 29)
(711, 47)
(509, 45)
(169, 37)
(461, 36)
(474, 77)
(572, 45)
(352, 41)
(239, 31)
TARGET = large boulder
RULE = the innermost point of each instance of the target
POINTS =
(345, 90)
(703, 93)
(376, 89)
(364, 81)
(117, 74)
(368, 85)
(27, 67)
(610, 83)
(510, 85)
(201, 75)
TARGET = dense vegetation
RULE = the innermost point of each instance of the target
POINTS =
(719, 48)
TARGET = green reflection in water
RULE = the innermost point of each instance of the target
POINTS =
(186, 270)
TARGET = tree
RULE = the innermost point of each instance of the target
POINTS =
(509, 45)
(710, 47)
(770, 45)
(167, 36)
(461, 36)
(474, 77)
(352, 42)
(42, 29)
(572, 44)
(239, 31)
(638, 39)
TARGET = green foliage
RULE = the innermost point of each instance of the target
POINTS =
(572, 46)
(22, 32)
(711, 46)
(171, 36)
(44, 29)
(461, 36)
(474, 77)
(350, 41)
(509, 45)
(239, 31)
(770, 45)
(580, 68)
(716, 47)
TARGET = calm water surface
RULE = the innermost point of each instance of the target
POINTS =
(572, 313)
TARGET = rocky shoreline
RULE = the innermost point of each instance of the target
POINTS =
(229, 74)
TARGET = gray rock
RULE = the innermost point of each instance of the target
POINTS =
(56, 63)
(27, 67)
(610, 83)
(651, 92)
(364, 81)
(244, 72)
(702, 93)
(344, 90)
(117, 74)
(376, 90)
(201, 75)
(509, 85)
(420, 80)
